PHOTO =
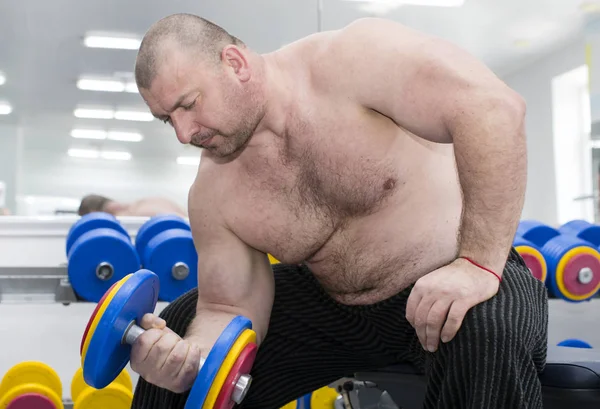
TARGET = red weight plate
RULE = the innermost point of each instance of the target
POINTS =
(31, 401)
(87, 328)
(571, 274)
(534, 264)
(243, 365)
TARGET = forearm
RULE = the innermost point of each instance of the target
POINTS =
(209, 323)
(491, 158)
(245, 288)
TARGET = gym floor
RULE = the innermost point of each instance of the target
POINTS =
(52, 333)
(574, 320)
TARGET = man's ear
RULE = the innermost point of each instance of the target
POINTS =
(235, 59)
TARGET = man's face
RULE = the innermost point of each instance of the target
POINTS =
(204, 102)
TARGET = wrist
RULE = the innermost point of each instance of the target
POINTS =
(475, 263)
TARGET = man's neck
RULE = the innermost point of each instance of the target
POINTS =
(278, 92)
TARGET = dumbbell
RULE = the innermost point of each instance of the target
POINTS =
(533, 258)
(117, 395)
(223, 379)
(574, 343)
(573, 263)
(322, 398)
(166, 247)
(100, 253)
(583, 229)
(31, 384)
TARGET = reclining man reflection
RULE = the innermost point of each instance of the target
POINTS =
(386, 169)
(146, 207)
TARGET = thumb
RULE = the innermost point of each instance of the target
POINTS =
(150, 321)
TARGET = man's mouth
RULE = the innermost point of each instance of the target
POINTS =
(205, 141)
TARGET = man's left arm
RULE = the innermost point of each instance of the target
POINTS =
(442, 93)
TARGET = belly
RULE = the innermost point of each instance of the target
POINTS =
(377, 256)
(368, 258)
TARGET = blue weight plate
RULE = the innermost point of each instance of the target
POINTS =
(536, 232)
(163, 252)
(107, 355)
(520, 241)
(156, 225)
(306, 401)
(213, 362)
(574, 343)
(582, 229)
(90, 221)
(89, 251)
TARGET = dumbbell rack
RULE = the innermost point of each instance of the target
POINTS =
(33, 260)
(33, 263)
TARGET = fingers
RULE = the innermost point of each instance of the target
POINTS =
(141, 349)
(164, 359)
(456, 315)
(179, 367)
(411, 305)
(420, 320)
(435, 320)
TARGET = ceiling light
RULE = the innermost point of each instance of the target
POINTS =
(590, 7)
(94, 113)
(434, 3)
(522, 43)
(115, 155)
(125, 136)
(95, 154)
(134, 116)
(109, 41)
(83, 153)
(2, 78)
(88, 134)
(381, 7)
(131, 87)
(5, 109)
(188, 160)
(88, 84)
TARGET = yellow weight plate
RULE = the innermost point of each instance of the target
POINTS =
(291, 405)
(114, 396)
(528, 250)
(98, 316)
(31, 372)
(7, 397)
(78, 384)
(273, 260)
(560, 271)
(124, 379)
(323, 398)
(245, 338)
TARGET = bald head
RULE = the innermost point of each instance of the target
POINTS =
(188, 33)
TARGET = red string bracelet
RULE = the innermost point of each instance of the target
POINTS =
(482, 267)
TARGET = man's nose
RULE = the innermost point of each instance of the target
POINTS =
(183, 127)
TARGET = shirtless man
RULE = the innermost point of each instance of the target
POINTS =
(146, 207)
(386, 169)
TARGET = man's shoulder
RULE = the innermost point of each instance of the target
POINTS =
(343, 56)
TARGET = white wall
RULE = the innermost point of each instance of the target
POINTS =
(534, 83)
(9, 157)
(64, 176)
(572, 146)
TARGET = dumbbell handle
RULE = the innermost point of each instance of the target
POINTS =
(240, 388)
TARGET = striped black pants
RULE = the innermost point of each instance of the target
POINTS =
(492, 363)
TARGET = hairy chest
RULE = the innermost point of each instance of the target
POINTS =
(297, 190)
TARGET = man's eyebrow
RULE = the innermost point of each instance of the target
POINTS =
(176, 105)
